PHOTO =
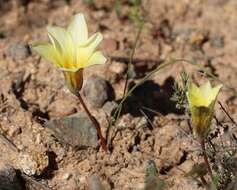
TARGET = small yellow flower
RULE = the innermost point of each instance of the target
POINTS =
(71, 50)
(201, 103)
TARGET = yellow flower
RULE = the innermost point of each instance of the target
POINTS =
(201, 103)
(71, 50)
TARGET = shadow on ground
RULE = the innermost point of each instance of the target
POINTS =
(151, 99)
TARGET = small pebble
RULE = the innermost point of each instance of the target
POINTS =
(38, 138)
(217, 41)
(102, 4)
(117, 67)
(116, 72)
(109, 45)
(142, 123)
(96, 91)
(95, 183)
(67, 131)
(14, 130)
(66, 176)
(18, 51)
(197, 38)
(8, 177)
(32, 163)
(110, 107)
(61, 107)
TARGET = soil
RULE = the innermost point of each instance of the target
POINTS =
(32, 91)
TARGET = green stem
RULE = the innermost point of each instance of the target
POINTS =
(202, 142)
(131, 58)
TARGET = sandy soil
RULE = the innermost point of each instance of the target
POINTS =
(32, 91)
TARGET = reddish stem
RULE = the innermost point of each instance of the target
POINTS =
(95, 123)
(204, 182)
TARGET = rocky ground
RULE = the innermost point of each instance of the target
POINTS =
(39, 152)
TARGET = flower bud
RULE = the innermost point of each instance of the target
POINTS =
(201, 102)
(74, 80)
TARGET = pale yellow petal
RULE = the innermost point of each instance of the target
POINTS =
(209, 94)
(62, 41)
(78, 29)
(215, 91)
(96, 58)
(47, 51)
(85, 52)
(57, 37)
(93, 42)
(206, 89)
(202, 96)
(193, 94)
(83, 55)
